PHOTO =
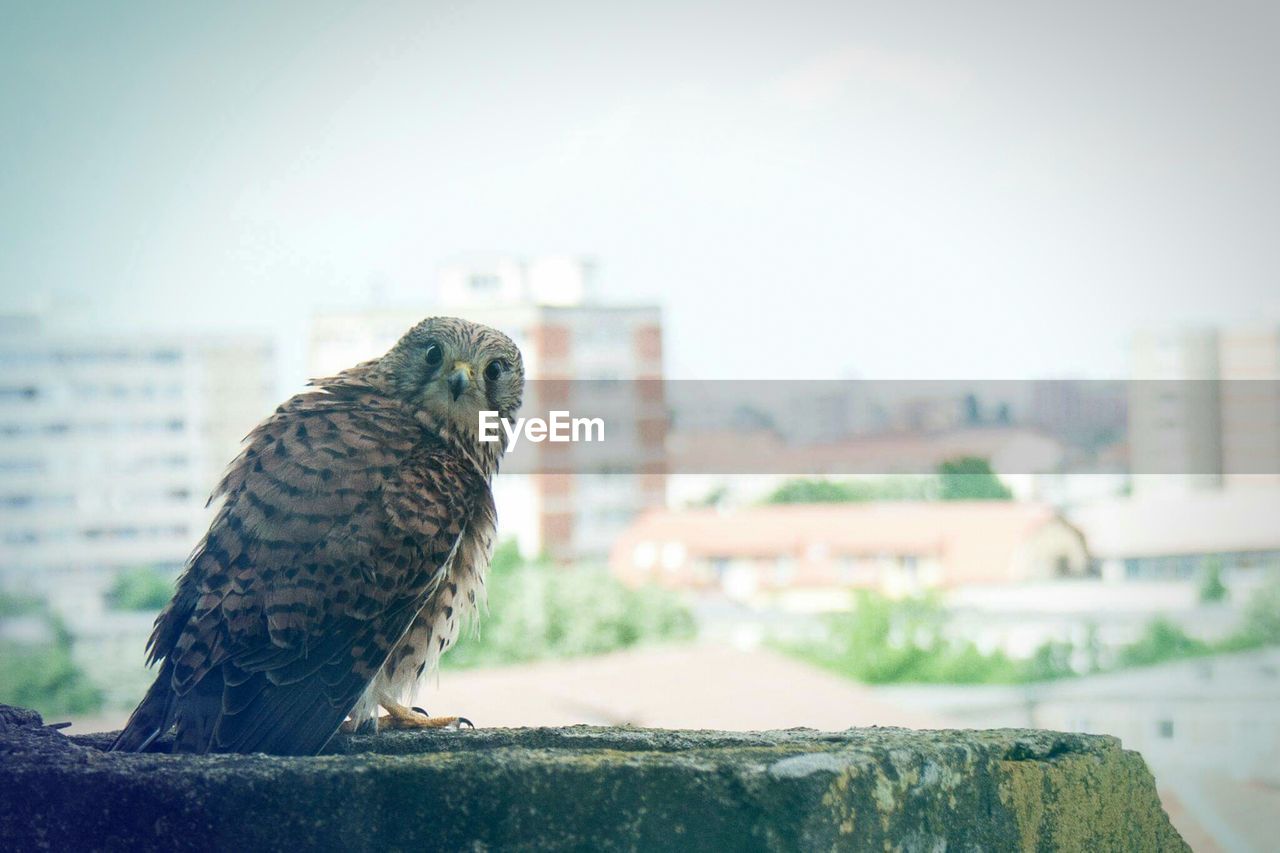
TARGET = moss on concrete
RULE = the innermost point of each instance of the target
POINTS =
(591, 788)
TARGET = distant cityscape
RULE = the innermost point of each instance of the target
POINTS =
(1147, 500)
(112, 445)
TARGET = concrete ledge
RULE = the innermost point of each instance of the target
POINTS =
(589, 788)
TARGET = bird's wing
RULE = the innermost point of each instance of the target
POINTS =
(336, 523)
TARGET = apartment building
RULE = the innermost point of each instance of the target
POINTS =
(1204, 409)
(109, 448)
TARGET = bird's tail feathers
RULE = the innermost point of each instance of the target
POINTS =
(197, 719)
(152, 717)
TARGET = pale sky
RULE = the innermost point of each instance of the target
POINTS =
(810, 190)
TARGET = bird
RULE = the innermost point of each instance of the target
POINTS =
(350, 542)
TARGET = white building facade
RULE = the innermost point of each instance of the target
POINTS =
(1204, 409)
(109, 447)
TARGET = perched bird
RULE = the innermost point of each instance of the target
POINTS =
(353, 538)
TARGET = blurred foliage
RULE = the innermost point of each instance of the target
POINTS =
(713, 498)
(1212, 589)
(1161, 641)
(141, 588)
(1261, 620)
(883, 641)
(18, 605)
(886, 641)
(817, 490)
(1051, 660)
(538, 611)
(42, 676)
(506, 558)
(970, 478)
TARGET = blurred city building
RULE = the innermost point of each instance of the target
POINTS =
(1085, 413)
(1204, 409)
(709, 465)
(113, 444)
(1250, 360)
(1209, 728)
(1179, 537)
(1214, 713)
(1013, 575)
(1152, 556)
(1096, 617)
(111, 447)
(1019, 454)
(808, 556)
(551, 308)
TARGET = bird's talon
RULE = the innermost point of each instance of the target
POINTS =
(423, 711)
(404, 717)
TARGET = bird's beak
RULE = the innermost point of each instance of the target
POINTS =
(459, 379)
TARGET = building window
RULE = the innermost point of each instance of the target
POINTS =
(645, 555)
(26, 392)
(672, 556)
(910, 565)
(485, 284)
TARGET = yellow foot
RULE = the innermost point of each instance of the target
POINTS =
(399, 717)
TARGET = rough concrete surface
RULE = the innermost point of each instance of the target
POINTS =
(588, 788)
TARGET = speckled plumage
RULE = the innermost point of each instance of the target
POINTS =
(353, 537)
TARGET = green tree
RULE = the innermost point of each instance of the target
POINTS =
(883, 641)
(817, 490)
(1212, 589)
(1161, 641)
(18, 605)
(1051, 660)
(141, 588)
(713, 498)
(538, 611)
(809, 492)
(970, 478)
(44, 676)
(506, 557)
(1094, 651)
(1262, 617)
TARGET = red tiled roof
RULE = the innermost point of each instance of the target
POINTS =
(975, 538)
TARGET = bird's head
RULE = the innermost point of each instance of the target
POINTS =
(449, 369)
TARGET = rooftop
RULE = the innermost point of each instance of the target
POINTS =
(1219, 520)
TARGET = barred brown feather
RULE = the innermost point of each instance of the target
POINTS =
(356, 517)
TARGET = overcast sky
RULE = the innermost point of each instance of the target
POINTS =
(809, 190)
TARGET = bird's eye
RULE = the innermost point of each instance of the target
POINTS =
(494, 370)
(435, 355)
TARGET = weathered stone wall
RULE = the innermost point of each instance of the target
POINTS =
(589, 788)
